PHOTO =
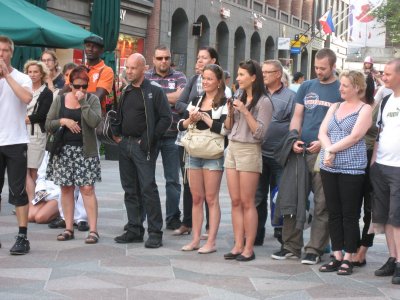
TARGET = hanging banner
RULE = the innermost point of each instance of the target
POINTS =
(364, 30)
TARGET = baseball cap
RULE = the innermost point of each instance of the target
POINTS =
(95, 40)
(368, 60)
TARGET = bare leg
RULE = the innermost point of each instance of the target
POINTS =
(90, 203)
(237, 211)
(248, 187)
(196, 183)
(47, 212)
(212, 183)
(68, 205)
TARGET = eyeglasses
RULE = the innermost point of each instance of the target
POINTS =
(47, 60)
(166, 58)
(270, 72)
(79, 86)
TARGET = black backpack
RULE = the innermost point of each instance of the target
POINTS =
(383, 103)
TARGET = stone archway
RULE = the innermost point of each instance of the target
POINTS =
(269, 48)
(222, 44)
(179, 39)
(255, 46)
(204, 39)
(240, 49)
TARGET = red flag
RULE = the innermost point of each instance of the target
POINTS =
(327, 22)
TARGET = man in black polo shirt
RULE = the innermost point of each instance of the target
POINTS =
(144, 116)
(172, 82)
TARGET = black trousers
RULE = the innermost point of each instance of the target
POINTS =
(137, 175)
(367, 240)
(343, 194)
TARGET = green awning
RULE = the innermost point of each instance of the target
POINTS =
(29, 25)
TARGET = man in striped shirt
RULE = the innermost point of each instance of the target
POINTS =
(172, 82)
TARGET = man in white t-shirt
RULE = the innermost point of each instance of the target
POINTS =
(15, 94)
(385, 173)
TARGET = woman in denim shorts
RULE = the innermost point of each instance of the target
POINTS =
(206, 112)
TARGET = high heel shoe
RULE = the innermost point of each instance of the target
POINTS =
(182, 230)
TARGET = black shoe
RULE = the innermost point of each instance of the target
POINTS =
(311, 259)
(283, 254)
(174, 224)
(244, 258)
(388, 268)
(57, 223)
(21, 245)
(154, 241)
(129, 237)
(231, 255)
(83, 226)
(126, 226)
(396, 275)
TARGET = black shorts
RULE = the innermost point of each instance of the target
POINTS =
(386, 194)
(14, 159)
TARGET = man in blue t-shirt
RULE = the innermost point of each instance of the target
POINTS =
(313, 100)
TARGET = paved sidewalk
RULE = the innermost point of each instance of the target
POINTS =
(73, 270)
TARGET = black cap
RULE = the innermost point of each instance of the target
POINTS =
(297, 76)
(95, 40)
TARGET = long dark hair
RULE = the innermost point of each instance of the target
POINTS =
(219, 73)
(370, 90)
(213, 53)
(258, 87)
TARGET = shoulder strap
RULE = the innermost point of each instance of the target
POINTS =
(62, 107)
(383, 103)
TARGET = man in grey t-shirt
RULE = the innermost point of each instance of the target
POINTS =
(283, 102)
(313, 100)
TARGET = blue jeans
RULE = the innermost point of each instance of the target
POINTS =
(170, 159)
(269, 179)
(138, 181)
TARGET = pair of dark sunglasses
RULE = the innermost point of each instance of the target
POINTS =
(79, 86)
(166, 58)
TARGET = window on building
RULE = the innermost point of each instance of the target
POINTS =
(284, 17)
(258, 7)
(306, 26)
(271, 12)
(296, 22)
(242, 2)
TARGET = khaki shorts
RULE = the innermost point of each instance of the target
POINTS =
(244, 157)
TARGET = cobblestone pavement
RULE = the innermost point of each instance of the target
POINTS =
(73, 270)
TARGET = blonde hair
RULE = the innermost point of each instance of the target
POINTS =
(42, 67)
(357, 80)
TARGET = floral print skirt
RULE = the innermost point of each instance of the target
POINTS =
(71, 167)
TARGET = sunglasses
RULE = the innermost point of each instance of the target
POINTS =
(79, 86)
(160, 58)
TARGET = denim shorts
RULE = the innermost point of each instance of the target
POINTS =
(202, 163)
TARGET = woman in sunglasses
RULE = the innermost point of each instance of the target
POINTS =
(248, 119)
(206, 112)
(78, 163)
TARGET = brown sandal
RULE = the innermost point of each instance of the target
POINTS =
(92, 238)
(66, 235)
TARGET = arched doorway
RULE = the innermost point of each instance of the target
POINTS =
(255, 46)
(269, 48)
(204, 39)
(222, 44)
(304, 62)
(179, 39)
(240, 49)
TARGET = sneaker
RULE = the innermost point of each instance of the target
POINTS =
(174, 224)
(57, 223)
(83, 226)
(388, 268)
(396, 275)
(283, 254)
(129, 237)
(21, 245)
(311, 259)
(154, 241)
